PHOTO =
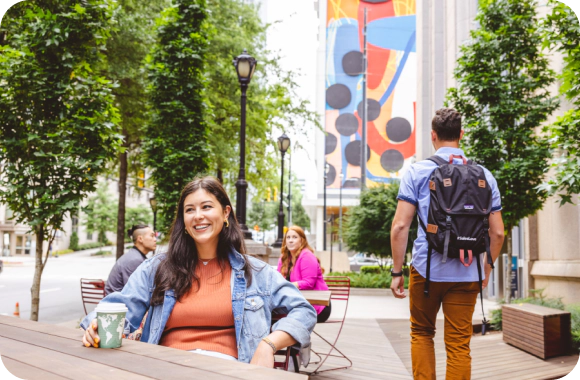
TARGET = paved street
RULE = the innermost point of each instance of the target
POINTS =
(60, 300)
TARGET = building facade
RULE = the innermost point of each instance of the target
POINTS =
(391, 95)
(19, 240)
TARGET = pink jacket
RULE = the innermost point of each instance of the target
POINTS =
(307, 273)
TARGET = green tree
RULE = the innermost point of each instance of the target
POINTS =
(502, 92)
(563, 35)
(131, 40)
(175, 143)
(57, 119)
(263, 214)
(140, 214)
(101, 213)
(299, 215)
(272, 102)
(367, 227)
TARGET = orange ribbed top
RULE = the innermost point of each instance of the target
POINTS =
(204, 319)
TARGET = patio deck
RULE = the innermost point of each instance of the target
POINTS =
(380, 349)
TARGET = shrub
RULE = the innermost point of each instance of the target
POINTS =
(574, 309)
(62, 252)
(89, 245)
(537, 298)
(380, 280)
(371, 269)
(74, 241)
(101, 253)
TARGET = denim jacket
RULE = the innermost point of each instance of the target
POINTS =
(252, 305)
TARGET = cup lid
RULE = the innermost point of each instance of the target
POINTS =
(111, 307)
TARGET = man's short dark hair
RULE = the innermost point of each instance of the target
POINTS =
(447, 124)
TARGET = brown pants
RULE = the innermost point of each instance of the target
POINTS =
(458, 299)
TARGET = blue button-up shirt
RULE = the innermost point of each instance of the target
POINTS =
(252, 305)
(414, 189)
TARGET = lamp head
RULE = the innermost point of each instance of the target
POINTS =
(245, 66)
(283, 143)
(153, 203)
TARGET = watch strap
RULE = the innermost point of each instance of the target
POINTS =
(396, 274)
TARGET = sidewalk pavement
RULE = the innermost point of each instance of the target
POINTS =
(31, 259)
(381, 304)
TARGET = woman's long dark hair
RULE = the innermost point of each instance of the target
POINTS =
(177, 270)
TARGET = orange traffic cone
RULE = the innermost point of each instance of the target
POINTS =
(17, 310)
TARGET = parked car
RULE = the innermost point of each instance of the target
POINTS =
(360, 259)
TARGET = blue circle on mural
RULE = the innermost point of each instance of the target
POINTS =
(331, 175)
(373, 109)
(338, 96)
(347, 124)
(392, 160)
(352, 63)
(330, 143)
(352, 153)
(351, 183)
(398, 129)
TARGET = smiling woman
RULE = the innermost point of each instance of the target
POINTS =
(205, 295)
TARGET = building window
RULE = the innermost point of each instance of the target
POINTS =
(89, 236)
(75, 224)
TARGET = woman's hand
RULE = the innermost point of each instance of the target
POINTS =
(264, 356)
(91, 337)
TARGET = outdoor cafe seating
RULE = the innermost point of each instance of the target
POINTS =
(93, 290)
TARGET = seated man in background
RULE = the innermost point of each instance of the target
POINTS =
(144, 239)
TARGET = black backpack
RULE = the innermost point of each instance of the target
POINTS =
(458, 218)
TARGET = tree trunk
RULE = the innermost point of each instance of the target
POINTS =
(508, 269)
(38, 268)
(122, 198)
(220, 176)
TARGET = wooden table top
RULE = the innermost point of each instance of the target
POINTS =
(32, 350)
(317, 297)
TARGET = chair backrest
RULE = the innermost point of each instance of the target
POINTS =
(339, 287)
(92, 291)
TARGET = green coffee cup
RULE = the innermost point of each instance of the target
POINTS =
(110, 324)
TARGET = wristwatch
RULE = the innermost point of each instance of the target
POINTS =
(396, 274)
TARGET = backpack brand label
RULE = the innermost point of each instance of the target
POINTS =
(466, 238)
(468, 207)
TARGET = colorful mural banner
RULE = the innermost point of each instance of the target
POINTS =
(391, 89)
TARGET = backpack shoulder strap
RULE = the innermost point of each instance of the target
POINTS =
(438, 160)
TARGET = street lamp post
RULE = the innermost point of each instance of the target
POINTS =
(331, 220)
(340, 214)
(153, 203)
(283, 144)
(245, 66)
(289, 189)
(326, 169)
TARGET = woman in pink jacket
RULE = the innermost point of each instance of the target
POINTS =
(299, 265)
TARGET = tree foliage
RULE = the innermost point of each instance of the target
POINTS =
(368, 226)
(57, 119)
(175, 143)
(272, 102)
(563, 35)
(131, 40)
(503, 93)
(503, 79)
(139, 214)
(101, 213)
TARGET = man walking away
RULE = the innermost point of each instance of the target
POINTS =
(441, 274)
(145, 241)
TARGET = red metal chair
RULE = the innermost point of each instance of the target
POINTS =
(289, 352)
(340, 292)
(92, 291)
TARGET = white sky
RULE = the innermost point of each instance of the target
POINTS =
(294, 37)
